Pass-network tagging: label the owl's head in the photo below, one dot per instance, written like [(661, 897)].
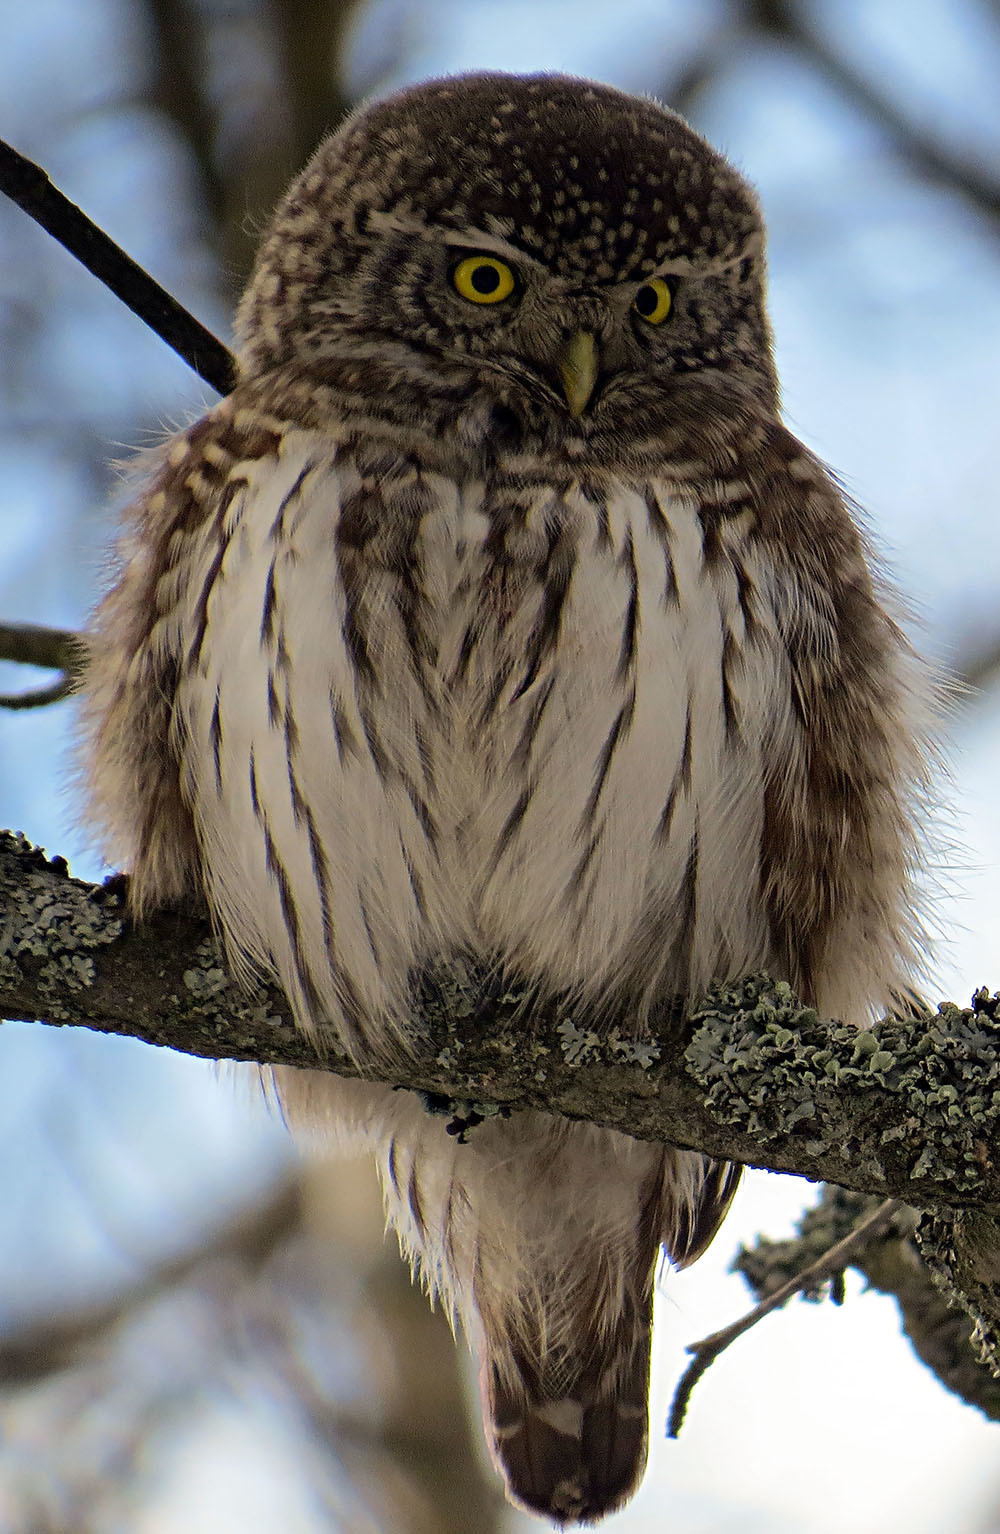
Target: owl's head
[(559, 248)]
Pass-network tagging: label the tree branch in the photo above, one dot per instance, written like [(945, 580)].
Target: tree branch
[(892, 1264), (828, 1264), (32, 644), (28, 185), (41, 1347), (182, 89), (907, 1110), (973, 180)]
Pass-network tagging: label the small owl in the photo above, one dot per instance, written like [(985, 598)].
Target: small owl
[(496, 618)]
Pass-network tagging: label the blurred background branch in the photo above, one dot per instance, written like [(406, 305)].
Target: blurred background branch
[(892, 1264), (263, 1307), (792, 23)]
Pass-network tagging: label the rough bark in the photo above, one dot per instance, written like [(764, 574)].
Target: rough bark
[(909, 1110)]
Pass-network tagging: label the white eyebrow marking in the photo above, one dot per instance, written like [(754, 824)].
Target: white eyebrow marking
[(473, 239), (478, 239), (382, 222)]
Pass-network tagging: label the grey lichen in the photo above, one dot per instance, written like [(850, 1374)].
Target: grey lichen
[(463, 999), (450, 992), (42, 923), (641, 1052), (580, 1046), (53, 928), (212, 996), (962, 1250), (208, 979), (66, 975), (768, 1065), (923, 1286), (587, 1046)]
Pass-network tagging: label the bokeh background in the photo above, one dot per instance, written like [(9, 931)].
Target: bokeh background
[(201, 1329)]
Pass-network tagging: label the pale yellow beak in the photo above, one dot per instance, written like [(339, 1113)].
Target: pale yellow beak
[(578, 371)]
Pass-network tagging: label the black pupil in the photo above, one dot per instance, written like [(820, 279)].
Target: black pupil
[(647, 299), (485, 279)]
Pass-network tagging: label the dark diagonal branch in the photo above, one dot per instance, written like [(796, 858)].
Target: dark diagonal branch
[(28, 185)]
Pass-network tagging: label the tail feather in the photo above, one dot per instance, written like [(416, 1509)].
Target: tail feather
[(544, 1237), (566, 1366), (577, 1456), (566, 1407)]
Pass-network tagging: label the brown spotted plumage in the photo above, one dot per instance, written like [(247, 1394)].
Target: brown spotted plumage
[(495, 619)]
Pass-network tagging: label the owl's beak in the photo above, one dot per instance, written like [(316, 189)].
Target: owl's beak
[(578, 365)]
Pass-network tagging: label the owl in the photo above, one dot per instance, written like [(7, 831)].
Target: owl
[(496, 618)]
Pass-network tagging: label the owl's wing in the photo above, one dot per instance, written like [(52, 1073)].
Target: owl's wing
[(128, 756), (691, 1223), (839, 849)]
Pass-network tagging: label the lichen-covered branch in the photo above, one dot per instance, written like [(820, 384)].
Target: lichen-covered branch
[(893, 1263), (909, 1110)]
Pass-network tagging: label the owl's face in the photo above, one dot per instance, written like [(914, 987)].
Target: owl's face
[(557, 248)]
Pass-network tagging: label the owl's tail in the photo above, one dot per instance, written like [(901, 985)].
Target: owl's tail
[(543, 1236), (573, 1448), (566, 1371)]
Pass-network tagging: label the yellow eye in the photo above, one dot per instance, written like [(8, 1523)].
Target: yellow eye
[(654, 301), (483, 279)]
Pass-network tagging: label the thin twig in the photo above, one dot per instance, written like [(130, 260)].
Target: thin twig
[(40, 697), (33, 644), (28, 185), (832, 1261)]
